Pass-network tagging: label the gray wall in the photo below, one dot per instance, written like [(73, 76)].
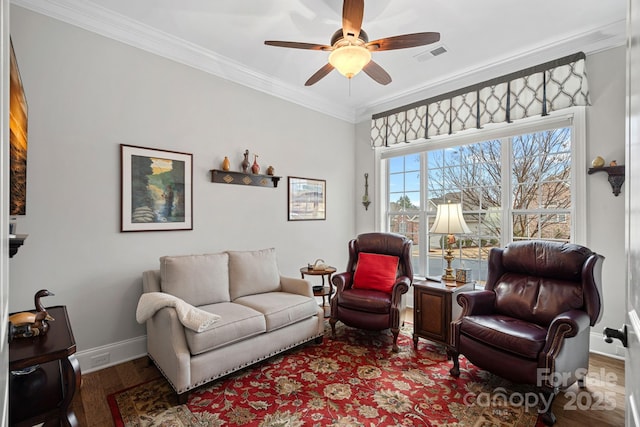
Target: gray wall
[(88, 94), (605, 212)]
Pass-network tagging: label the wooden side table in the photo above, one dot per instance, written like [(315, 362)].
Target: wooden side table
[(44, 395), (321, 291), (435, 308)]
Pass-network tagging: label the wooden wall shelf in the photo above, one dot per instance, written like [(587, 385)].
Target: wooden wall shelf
[(241, 178), (15, 243), (616, 176)]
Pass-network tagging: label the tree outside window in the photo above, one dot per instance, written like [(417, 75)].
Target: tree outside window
[(538, 200)]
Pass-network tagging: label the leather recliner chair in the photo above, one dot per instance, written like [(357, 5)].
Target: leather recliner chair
[(531, 322), (373, 309)]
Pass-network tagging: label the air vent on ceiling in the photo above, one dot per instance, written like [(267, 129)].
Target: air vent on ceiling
[(433, 52)]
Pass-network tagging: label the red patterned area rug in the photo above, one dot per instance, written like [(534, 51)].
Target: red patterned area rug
[(354, 380)]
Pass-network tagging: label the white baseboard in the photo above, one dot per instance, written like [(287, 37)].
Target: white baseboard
[(597, 345), (112, 354), (105, 356)]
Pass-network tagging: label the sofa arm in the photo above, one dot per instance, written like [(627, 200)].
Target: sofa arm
[(167, 346), (565, 356), (566, 325), (151, 281), (399, 288), (476, 302), (342, 281), (294, 285), (472, 303)]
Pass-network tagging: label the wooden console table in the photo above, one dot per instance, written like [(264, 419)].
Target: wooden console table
[(435, 307), (44, 395)]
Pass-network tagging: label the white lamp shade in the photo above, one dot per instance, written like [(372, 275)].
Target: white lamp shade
[(349, 60), (449, 220)]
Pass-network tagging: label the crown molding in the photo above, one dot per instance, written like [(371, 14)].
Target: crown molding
[(99, 20)]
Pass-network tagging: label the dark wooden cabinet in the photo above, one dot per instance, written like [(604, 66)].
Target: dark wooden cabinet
[(435, 307), (45, 394)]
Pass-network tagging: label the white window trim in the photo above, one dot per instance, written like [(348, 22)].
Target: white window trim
[(574, 116)]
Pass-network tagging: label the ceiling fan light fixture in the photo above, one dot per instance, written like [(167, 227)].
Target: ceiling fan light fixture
[(351, 49), (349, 60)]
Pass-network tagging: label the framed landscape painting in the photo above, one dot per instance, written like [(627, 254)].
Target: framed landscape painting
[(307, 199), (156, 189)]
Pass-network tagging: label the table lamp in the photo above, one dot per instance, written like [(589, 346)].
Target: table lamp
[(449, 221)]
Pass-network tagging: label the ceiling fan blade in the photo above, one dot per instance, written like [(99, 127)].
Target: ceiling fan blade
[(352, 13), (319, 74), (377, 73), (404, 41), (298, 45)]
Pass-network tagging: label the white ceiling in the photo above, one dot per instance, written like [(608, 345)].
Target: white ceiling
[(483, 39)]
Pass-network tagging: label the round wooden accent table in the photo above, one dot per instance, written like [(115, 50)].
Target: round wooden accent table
[(321, 291)]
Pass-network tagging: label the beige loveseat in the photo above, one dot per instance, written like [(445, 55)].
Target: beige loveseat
[(260, 314)]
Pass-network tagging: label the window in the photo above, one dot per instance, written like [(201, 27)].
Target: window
[(511, 187), (468, 174), (404, 197), (541, 185)]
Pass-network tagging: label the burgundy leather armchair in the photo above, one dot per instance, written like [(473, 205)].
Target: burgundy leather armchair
[(373, 309), (531, 323)]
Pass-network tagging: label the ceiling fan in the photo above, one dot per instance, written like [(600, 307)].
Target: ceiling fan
[(351, 49)]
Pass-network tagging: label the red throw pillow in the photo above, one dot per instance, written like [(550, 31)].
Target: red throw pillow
[(375, 271)]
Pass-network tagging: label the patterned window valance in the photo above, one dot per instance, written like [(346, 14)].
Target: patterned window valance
[(534, 91)]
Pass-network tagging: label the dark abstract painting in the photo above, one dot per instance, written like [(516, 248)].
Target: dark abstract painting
[(18, 141)]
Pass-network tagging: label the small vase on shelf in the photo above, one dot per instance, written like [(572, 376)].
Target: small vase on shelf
[(226, 164), (245, 162), (255, 168)]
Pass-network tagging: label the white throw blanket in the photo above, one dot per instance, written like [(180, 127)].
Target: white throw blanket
[(191, 317)]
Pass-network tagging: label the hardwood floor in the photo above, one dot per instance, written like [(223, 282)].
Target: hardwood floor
[(90, 403), (605, 392)]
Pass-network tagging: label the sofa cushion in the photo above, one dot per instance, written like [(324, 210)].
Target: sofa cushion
[(543, 258), (196, 279), (365, 299), (536, 299), (237, 322), (506, 333), (280, 308), (253, 272)]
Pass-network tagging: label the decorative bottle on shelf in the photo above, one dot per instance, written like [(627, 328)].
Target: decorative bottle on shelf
[(245, 162), (226, 165), (255, 168)]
